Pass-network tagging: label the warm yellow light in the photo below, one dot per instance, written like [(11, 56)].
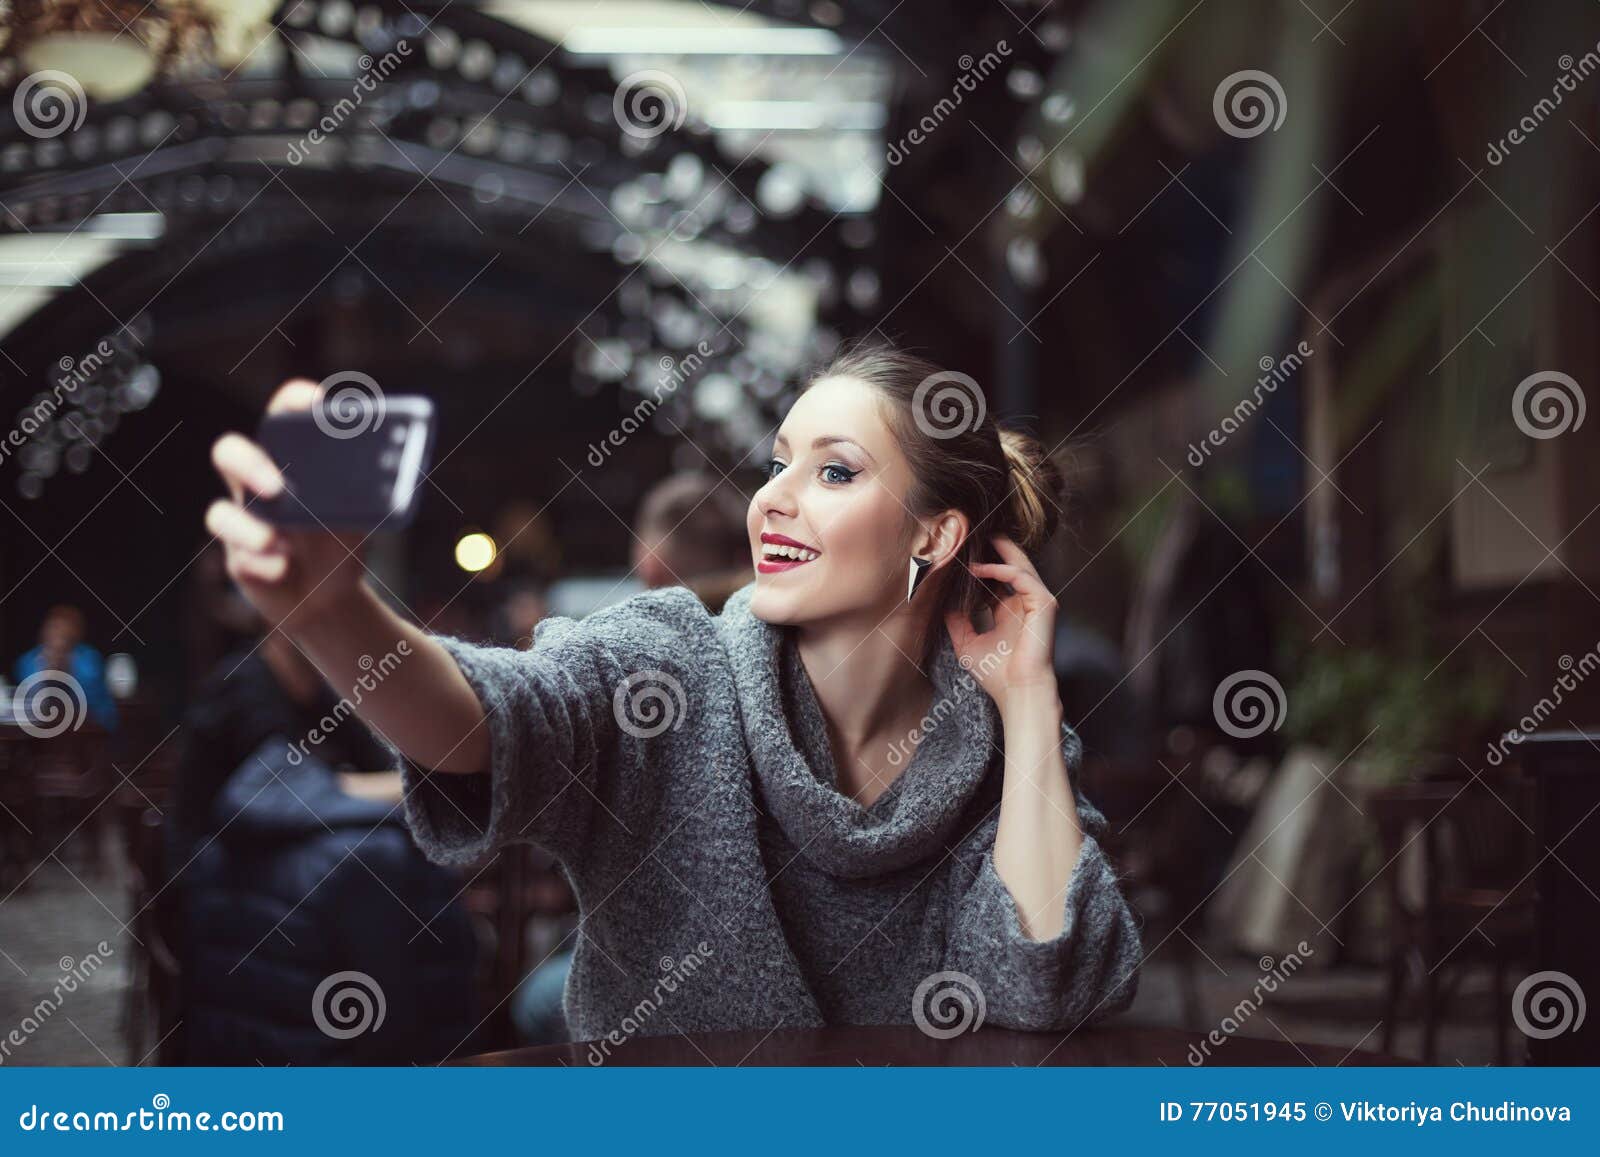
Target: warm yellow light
[(106, 66), (475, 552)]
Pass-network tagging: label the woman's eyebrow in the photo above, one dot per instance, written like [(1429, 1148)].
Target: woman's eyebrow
[(829, 440), (835, 439)]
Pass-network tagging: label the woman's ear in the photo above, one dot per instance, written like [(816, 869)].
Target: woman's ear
[(941, 537)]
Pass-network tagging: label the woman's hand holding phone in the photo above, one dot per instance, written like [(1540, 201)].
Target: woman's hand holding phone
[(309, 582), (291, 576)]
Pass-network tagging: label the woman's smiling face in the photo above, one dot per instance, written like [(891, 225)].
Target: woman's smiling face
[(830, 528)]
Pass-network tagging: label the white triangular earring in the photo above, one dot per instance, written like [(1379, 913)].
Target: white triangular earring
[(919, 569)]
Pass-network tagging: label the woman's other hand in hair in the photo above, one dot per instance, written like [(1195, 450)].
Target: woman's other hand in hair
[(1014, 658)]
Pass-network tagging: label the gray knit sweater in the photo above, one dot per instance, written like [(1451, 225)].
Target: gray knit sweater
[(678, 765)]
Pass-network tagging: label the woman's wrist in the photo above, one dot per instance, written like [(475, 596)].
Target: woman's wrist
[(1031, 704), (322, 615)]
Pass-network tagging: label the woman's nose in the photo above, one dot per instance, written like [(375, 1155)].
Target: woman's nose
[(776, 496)]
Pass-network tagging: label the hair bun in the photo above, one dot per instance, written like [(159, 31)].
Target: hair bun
[(1037, 490)]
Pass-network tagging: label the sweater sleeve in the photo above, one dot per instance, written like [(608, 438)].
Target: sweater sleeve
[(569, 723), (1086, 973)]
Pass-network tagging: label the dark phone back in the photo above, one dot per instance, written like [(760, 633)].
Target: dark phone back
[(359, 476)]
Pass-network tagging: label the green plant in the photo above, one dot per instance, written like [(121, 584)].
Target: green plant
[(1397, 709)]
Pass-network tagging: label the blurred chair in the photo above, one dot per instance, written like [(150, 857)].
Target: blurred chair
[(66, 780), (1474, 901), (16, 829), (521, 885), (1162, 835), (154, 986), (142, 801)]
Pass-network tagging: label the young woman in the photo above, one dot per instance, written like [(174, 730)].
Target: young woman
[(838, 801)]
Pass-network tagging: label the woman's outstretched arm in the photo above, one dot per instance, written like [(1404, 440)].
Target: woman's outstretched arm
[(311, 586), (422, 704)]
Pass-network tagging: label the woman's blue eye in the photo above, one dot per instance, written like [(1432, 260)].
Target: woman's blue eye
[(770, 470), (833, 472)]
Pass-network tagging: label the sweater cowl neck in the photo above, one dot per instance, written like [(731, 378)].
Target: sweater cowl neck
[(787, 736)]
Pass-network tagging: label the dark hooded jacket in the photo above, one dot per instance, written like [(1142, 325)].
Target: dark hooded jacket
[(318, 933)]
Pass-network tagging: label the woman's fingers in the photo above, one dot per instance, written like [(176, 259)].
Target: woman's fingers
[(245, 466), (266, 568), (1024, 579), (237, 528), (294, 394), (1012, 553), (996, 570), (254, 549)]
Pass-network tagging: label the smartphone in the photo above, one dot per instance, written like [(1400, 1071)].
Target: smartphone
[(360, 474)]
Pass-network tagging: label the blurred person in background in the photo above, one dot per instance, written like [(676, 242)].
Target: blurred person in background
[(269, 688), (523, 607), (61, 648), (690, 532), (218, 619), (289, 863)]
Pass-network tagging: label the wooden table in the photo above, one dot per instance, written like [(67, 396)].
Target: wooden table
[(908, 1045)]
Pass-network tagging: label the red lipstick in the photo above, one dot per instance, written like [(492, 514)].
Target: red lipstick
[(772, 564)]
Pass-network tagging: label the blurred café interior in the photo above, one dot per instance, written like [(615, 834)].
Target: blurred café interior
[(1303, 295)]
